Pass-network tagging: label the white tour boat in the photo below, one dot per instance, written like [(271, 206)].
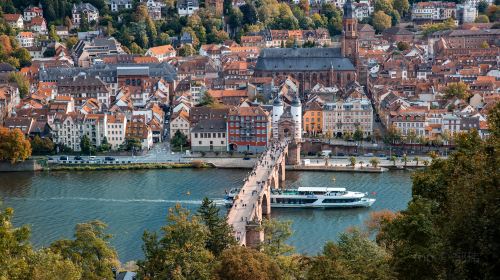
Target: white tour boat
[(312, 197)]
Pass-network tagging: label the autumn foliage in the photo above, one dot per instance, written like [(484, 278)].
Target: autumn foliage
[(14, 147)]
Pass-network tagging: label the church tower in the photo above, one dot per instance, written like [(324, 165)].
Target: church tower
[(350, 47)]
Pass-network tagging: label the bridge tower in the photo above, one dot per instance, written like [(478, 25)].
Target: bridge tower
[(287, 124)]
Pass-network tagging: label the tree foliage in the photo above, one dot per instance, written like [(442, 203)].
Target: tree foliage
[(42, 146), (381, 21), (459, 90), (85, 145), (90, 250), (14, 147), (21, 82), (180, 252), (451, 224), (220, 235), (247, 264), (179, 139)]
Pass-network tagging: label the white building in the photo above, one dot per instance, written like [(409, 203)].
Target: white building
[(31, 12), (14, 20), (409, 121), (68, 130), (435, 10), (162, 53), (466, 13), (119, 5), (116, 130), (180, 122), (26, 39), (346, 116), (87, 10), (187, 7), (209, 135), (450, 124)]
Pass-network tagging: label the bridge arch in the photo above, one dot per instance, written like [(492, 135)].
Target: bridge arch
[(266, 204)]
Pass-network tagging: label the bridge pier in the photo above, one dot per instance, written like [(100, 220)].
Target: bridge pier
[(293, 157), (254, 234)]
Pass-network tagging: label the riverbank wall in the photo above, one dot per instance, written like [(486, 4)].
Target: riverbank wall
[(129, 166), (28, 165)]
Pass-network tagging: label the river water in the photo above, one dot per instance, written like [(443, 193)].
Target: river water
[(52, 203)]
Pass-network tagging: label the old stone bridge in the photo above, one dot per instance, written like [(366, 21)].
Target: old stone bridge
[(254, 199)]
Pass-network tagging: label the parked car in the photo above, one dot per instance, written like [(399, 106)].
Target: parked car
[(50, 158), (341, 154), (78, 158), (381, 155), (109, 159), (63, 158), (92, 157), (246, 158), (368, 154)]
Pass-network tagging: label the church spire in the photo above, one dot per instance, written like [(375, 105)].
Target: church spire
[(348, 9)]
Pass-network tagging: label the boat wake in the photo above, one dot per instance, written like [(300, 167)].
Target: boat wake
[(217, 201)]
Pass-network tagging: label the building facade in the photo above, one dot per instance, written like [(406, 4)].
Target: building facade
[(248, 129), (209, 136)]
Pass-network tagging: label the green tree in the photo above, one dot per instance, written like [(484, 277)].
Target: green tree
[(244, 263), (21, 82), (136, 49), (180, 253), (105, 146), (70, 42), (186, 50), (395, 17), (402, 6), (403, 46), (384, 6), (14, 246), (49, 52), (249, 13), (41, 146), (85, 145), (451, 224), (53, 33), (416, 159), (14, 147), (206, 99), (220, 235), (358, 134), (355, 256), (393, 135), (276, 233), (381, 21), (133, 144), (352, 161), (485, 45), (374, 162), (45, 264), (482, 6), (393, 159), (19, 261), (179, 139), (459, 90), (404, 159), (151, 30), (84, 23), (23, 56), (90, 250), (482, 19)]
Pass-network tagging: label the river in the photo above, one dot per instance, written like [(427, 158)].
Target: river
[(52, 203)]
